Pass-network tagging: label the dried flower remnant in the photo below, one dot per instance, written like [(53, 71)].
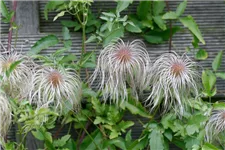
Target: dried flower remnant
[(16, 82), (174, 79), (5, 115), (215, 125), (121, 65), (56, 87)]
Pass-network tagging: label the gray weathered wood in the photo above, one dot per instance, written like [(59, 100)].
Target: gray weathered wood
[(27, 17)]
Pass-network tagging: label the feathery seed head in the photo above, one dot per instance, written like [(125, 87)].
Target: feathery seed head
[(5, 115), (55, 87), (174, 80), (119, 65), (15, 84), (215, 125)]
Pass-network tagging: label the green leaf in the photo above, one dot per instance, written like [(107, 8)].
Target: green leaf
[(191, 129), (168, 135), (121, 5), (208, 146), (118, 142), (113, 35), (87, 92), (170, 15), (143, 9), (136, 109), (190, 23), (87, 56), (59, 15), (65, 33), (181, 8), (51, 5), (70, 144), (208, 80), (62, 141), (158, 7), (68, 58), (133, 29), (219, 106), (93, 142), (12, 67), (156, 37), (128, 137), (92, 38), (201, 54), (160, 22), (153, 39), (38, 134), (217, 61), (43, 43), (190, 142), (4, 10), (69, 23), (123, 125), (221, 75), (156, 140)]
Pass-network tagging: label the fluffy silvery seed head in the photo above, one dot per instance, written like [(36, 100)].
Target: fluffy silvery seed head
[(215, 125), (121, 65), (56, 88), (15, 84), (5, 115), (174, 80)]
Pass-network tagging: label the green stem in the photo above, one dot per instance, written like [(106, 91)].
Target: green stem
[(83, 51)]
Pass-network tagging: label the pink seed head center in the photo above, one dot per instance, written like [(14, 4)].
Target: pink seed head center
[(177, 69), (123, 55), (55, 78)]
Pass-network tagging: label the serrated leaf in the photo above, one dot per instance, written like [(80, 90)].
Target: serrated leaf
[(62, 141), (217, 61), (121, 5), (125, 124), (170, 15), (221, 75), (65, 33), (191, 129), (143, 9), (180, 9), (190, 23), (133, 29), (201, 54), (160, 22), (43, 43)]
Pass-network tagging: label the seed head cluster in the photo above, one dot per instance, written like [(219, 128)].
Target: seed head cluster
[(174, 80), (120, 66), (215, 125)]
